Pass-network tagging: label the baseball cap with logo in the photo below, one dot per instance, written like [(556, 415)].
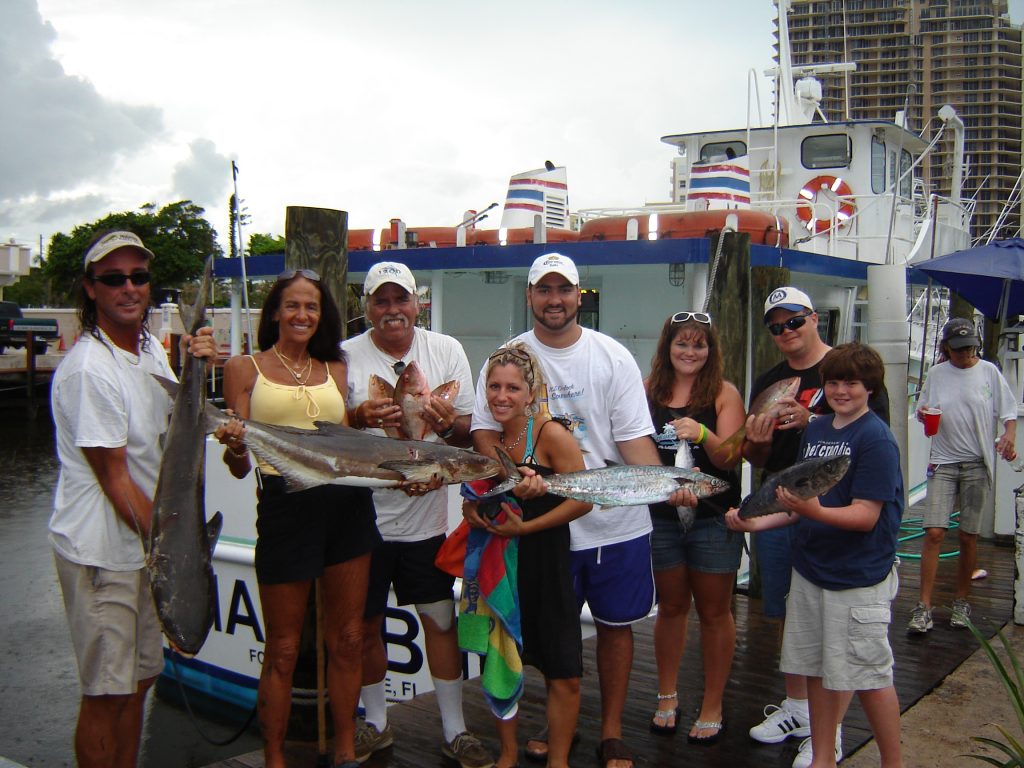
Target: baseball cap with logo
[(554, 262), (959, 333), (110, 242), (388, 272), (789, 298)]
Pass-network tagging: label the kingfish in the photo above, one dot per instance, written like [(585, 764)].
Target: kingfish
[(339, 455), (618, 485), (411, 393), (806, 479), (766, 402), (181, 541)]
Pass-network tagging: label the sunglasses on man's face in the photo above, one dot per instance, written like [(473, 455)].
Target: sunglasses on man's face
[(700, 317), (118, 279), (795, 322), (309, 274)]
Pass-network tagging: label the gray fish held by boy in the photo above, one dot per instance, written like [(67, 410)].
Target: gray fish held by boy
[(807, 478), (336, 454), (181, 541), (618, 485)]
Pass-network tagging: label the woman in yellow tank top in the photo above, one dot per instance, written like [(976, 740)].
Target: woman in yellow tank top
[(328, 532)]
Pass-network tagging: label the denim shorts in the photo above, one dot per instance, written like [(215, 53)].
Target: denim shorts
[(774, 552), (708, 547), (841, 636), (967, 481)]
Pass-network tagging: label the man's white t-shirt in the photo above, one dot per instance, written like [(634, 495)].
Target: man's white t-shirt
[(597, 385), (104, 397), (975, 402), (442, 359)]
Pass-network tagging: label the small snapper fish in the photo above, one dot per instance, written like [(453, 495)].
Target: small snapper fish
[(411, 394), (766, 402), (618, 485), (806, 479)]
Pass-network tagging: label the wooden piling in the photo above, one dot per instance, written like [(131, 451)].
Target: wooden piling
[(317, 239)]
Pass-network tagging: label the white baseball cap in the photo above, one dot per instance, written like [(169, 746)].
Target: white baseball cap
[(111, 242), (388, 272), (554, 262), (789, 298)]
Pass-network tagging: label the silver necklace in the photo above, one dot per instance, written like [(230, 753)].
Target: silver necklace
[(518, 439)]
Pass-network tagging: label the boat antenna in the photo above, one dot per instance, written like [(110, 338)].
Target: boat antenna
[(478, 216), (241, 255), (896, 176)]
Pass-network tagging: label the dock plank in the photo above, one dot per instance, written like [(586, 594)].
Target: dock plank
[(921, 664)]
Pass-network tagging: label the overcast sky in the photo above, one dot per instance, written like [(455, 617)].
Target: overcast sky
[(387, 108)]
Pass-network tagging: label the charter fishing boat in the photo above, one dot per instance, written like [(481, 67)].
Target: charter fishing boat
[(841, 206)]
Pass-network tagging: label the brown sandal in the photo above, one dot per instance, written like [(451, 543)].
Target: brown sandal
[(614, 749)]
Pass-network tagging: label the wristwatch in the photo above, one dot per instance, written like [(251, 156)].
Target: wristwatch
[(448, 432)]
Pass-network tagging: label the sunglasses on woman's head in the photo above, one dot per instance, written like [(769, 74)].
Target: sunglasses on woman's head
[(118, 279), (700, 317), (518, 354), (795, 322), (309, 274)]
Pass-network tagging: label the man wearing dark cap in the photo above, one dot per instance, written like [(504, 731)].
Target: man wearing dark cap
[(110, 416), (974, 398)]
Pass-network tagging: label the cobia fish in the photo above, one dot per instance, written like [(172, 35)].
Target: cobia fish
[(806, 479), (766, 402), (411, 393), (618, 485), (181, 541), (339, 455)]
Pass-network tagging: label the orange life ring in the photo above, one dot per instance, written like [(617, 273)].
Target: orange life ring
[(805, 207)]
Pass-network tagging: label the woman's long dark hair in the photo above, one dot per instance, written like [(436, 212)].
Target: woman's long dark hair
[(87, 316), (325, 345), (709, 379)]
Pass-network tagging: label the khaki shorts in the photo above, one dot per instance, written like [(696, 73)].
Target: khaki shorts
[(951, 485), (113, 625), (841, 636)]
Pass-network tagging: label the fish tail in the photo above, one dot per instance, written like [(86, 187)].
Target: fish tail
[(192, 318), (511, 470), (729, 449)]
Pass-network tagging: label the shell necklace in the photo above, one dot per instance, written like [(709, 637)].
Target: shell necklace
[(517, 441), (302, 373)]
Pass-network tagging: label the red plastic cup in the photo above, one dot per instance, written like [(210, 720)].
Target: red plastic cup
[(931, 420)]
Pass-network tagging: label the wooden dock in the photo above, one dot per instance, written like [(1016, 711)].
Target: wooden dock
[(921, 664)]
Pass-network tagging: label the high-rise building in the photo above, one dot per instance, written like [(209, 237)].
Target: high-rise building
[(965, 53)]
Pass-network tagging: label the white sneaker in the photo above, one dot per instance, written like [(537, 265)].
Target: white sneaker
[(779, 724), (805, 756)]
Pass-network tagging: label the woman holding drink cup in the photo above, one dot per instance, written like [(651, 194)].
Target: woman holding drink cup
[(962, 402)]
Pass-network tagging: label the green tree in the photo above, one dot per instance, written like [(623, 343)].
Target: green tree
[(31, 290), (178, 235), (260, 244)]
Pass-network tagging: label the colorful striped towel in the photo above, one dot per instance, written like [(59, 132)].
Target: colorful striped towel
[(489, 611)]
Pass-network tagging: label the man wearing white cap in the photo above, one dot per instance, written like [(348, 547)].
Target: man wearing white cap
[(110, 416), (595, 382), (413, 527), (792, 322)]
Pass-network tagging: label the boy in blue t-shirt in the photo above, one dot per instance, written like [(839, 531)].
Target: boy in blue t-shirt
[(844, 554)]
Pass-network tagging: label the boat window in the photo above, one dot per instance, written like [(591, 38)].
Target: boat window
[(590, 308), (907, 183), (830, 151), (722, 150), (877, 165)]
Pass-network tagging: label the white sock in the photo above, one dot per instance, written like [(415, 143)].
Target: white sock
[(449, 701), (799, 708), (376, 705)]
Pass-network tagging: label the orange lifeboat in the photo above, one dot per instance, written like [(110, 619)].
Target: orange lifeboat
[(763, 228), (612, 228), (421, 237), (360, 239)]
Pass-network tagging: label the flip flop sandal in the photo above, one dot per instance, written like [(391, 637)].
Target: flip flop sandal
[(614, 749), (703, 725), (539, 756), (665, 714)]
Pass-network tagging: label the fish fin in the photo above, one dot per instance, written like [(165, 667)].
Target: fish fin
[(412, 470), (511, 470), (213, 529), (729, 449), (192, 318), (170, 386), (610, 463), (330, 428)]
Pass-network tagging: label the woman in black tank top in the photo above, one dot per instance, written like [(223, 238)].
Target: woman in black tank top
[(549, 615), (693, 553)]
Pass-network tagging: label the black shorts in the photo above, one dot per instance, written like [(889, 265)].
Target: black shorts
[(300, 534), (409, 566)]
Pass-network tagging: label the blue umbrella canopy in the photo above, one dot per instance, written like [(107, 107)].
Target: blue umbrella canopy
[(983, 276)]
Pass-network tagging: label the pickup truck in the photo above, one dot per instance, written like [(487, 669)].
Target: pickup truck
[(14, 329)]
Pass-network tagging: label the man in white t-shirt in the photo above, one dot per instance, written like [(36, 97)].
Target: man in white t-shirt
[(110, 416), (594, 382), (413, 526)]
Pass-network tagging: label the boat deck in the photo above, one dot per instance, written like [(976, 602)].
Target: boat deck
[(921, 664)]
